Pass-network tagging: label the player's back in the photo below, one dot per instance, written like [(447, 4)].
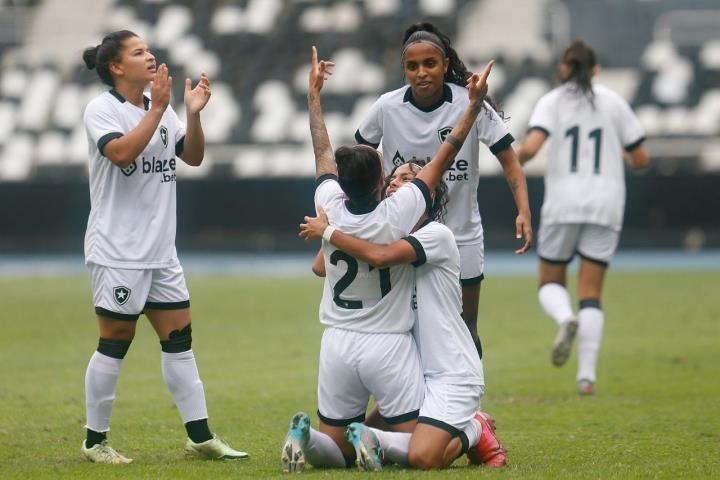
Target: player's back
[(585, 179), (357, 296)]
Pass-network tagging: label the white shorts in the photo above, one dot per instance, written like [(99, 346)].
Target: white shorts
[(558, 242), (123, 294), (355, 365), (449, 406), (472, 263)]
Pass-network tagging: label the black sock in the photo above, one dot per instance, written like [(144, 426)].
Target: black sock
[(93, 438), (198, 430), (478, 345)]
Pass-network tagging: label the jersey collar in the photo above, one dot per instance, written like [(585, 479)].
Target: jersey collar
[(121, 99), (446, 97), (360, 209)]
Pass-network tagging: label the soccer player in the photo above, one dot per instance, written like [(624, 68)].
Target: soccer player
[(411, 123), (367, 348), (130, 239), (449, 423), (590, 129)]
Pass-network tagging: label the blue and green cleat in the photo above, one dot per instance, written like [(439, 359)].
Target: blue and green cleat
[(368, 452), (292, 457)]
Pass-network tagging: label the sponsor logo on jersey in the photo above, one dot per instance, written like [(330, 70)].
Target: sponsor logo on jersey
[(130, 169), (398, 159), (165, 167), (443, 133), (121, 294), (164, 135)]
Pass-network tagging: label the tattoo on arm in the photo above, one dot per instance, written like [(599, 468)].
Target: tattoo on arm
[(324, 159)]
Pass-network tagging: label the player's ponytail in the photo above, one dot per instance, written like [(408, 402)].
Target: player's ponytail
[(100, 56), (580, 60), (457, 72)]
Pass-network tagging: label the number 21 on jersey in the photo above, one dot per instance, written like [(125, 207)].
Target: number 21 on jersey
[(350, 274)]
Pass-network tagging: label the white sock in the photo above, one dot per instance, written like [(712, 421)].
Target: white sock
[(555, 300), (396, 446), (589, 336), (182, 378), (321, 451), (100, 381), (472, 432)]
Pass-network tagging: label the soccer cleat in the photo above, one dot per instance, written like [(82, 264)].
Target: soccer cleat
[(292, 457), (563, 342), (213, 449), (368, 452), (103, 453), (488, 451), (585, 387)]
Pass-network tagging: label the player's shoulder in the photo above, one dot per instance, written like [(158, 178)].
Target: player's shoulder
[(102, 102), (555, 94), (436, 230), (394, 97), (608, 95)]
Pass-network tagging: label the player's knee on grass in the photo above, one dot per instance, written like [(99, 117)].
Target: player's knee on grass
[(425, 458), (178, 341)]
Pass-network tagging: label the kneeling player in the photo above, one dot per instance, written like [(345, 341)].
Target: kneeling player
[(449, 423)]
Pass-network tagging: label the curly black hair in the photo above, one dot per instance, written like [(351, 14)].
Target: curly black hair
[(439, 207)]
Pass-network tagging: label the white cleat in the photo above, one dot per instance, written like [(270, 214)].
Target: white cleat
[(563, 342), (213, 449), (104, 453), (292, 457)]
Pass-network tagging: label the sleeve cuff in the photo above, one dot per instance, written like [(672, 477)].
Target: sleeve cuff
[(539, 129), (322, 178), (420, 257), (502, 144), (105, 139), (179, 146), (425, 193), (359, 139), (635, 144)]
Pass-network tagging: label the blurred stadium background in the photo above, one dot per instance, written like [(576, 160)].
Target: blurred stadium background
[(256, 182)]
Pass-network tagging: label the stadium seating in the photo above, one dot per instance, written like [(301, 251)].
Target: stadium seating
[(257, 55)]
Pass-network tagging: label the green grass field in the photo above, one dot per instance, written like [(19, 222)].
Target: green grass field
[(657, 412)]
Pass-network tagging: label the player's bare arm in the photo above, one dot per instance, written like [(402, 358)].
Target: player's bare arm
[(195, 100), (518, 186), (379, 256), (530, 146), (324, 158), (637, 158), (477, 89), (124, 150)]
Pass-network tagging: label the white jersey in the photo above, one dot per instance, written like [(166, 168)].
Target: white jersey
[(132, 210), (585, 175), (447, 351), (357, 296), (409, 132)]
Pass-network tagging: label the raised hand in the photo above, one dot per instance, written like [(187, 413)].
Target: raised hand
[(319, 72), (314, 226), (160, 88), (196, 98), (477, 84)]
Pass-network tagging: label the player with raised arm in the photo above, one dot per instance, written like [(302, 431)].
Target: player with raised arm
[(411, 123), (130, 239), (590, 129), (449, 423), (367, 348)]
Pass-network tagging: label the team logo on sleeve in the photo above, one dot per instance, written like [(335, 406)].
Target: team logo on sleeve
[(443, 133), (121, 295), (130, 169), (164, 135), (398, 159)]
